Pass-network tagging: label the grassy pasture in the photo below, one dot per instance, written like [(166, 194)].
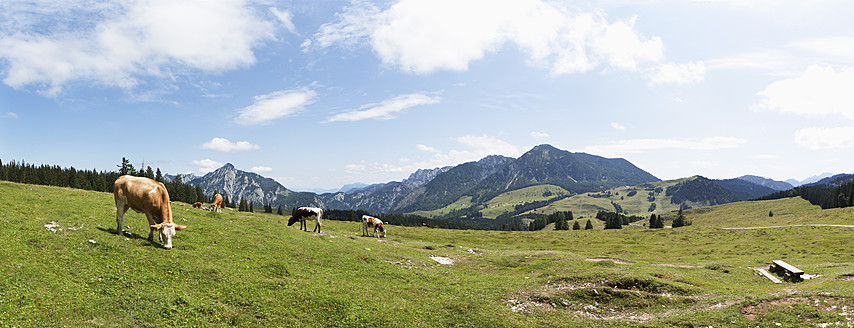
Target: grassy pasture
[(250, 270)]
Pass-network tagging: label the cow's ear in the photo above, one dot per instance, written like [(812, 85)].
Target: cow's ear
[(180, 227), (156, 226)]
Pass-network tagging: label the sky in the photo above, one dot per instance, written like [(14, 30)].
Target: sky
[(320, 94)]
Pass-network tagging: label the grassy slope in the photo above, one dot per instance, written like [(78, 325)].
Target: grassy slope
[(252, 270), (502, 203), (583, 205)]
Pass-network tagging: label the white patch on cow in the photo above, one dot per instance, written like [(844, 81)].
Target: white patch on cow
[(153, 190)]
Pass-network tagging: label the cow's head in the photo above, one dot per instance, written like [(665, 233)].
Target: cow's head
[(167, 231), (292, 220), (382, 229)]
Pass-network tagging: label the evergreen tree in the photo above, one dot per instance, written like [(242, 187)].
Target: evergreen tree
[(243, 205), (252, 207), (589, 225), (560, 223), (126, 167), (680, 220), (280, 212), (655, 221), (614, 222), (576, 226), (149, 173), (158, 176)]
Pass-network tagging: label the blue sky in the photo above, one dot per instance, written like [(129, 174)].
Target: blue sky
[(319, 94)]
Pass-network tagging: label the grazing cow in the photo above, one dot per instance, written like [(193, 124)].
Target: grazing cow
[(303, 213), (197, 205), (150, 197), (217, 203), (372, 222)]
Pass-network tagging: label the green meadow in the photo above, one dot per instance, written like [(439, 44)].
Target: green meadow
[(62, 265)]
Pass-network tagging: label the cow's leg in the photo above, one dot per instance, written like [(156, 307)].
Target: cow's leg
[(317, 226), (121, 208), (151, 230)]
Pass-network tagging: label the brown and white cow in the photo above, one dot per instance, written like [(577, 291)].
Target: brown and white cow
[(372, 222), (216, 205), (197, 205), (150, 197), (303, 213)]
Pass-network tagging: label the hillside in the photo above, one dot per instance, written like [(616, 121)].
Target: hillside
[(256, 189), (64, 266)]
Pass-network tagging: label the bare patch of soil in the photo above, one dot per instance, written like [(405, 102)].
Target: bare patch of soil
[(827, 304), (621, 261)]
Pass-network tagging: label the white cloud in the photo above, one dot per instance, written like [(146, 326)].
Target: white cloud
[(353, 168), (386, 109), (352, 27), (487, 145), (678, 73), (423, 36), (117, 44), (11, 115), (840, 47), (618, 126), (633, 146), (475, 148), (825, 138), (286, 18), (820, 90), (427, 148), (539, 135), (275, 105), (225, 145), (259, 169), (206, 165)]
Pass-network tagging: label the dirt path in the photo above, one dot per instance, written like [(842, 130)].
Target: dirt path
[(793, 225)]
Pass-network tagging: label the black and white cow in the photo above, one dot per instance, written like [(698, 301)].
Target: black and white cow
[(304, 213)]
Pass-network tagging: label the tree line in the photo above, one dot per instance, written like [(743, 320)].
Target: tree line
[(103, 181), (822, 196)]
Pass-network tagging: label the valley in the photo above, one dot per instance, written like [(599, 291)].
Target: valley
[(250, 269)]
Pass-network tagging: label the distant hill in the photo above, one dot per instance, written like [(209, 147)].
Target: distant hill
[(773, 184), (254, 188), (745, 190), (543, 180), (833, 181), (809, 180)]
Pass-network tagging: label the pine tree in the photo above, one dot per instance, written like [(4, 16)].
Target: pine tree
[(158, 176), (576, 226), (126, 167), (280, 212), (589, 225), (251, 207), (243, 205), (680, 220), (560, 223), (149, 173)]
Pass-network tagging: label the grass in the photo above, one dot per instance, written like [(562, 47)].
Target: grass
[(249, 270)]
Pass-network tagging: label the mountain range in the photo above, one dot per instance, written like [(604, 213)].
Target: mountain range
[(479, 182)]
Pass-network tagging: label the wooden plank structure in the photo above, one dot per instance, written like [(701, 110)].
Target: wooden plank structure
[(790, 272), (769, 276)]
